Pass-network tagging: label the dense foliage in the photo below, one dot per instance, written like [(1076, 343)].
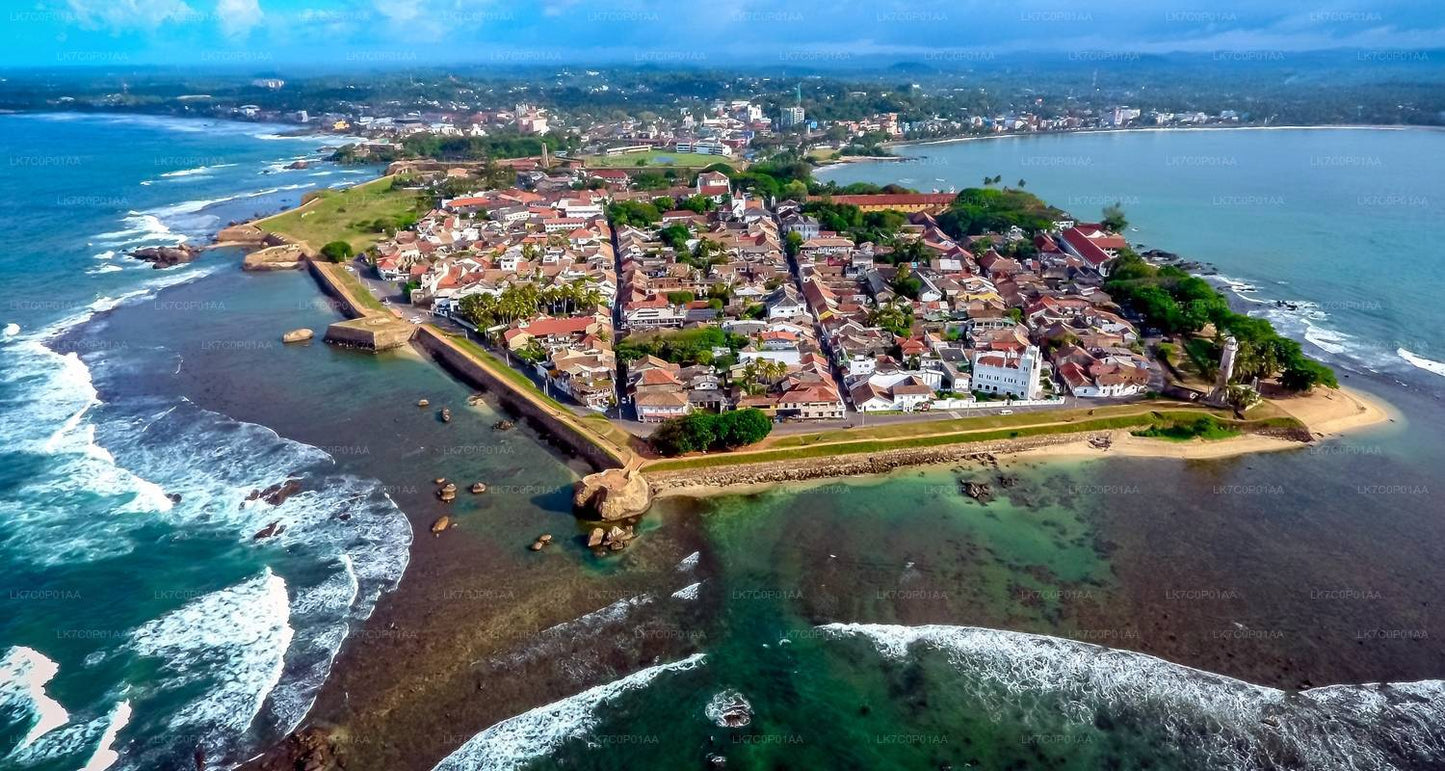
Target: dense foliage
[(337, 251), (702, 431), (979, 210), (1175, 302), (635, 213), (684, 346), (878, 227)]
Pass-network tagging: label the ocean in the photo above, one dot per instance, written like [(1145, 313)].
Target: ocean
[(1271, 611)]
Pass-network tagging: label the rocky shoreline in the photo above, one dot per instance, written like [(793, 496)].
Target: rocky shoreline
[(738, 478), (700, 481)]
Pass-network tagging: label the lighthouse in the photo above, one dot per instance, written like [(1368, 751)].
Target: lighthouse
[(1226, 371)]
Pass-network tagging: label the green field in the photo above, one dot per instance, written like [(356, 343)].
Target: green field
[(345, 215), (654, 158)]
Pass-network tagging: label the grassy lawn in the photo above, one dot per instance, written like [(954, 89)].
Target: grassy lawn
[(981, 422), (344, 215), (655, 158), (1202, 427)]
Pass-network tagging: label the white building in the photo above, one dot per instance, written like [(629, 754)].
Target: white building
[(1005, 372)]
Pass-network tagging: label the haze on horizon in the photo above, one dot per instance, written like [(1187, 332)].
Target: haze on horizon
[(59, 33)]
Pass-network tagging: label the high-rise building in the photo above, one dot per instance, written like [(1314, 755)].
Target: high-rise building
[(792, 116)]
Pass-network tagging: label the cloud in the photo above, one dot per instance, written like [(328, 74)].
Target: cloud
[(398, 10), (237, 17), (121, 14)]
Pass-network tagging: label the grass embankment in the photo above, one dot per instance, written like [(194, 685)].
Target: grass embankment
[(909, 436), (513, 376), (974, 423), (1202, 427), (354, 286), (660, 158), (346, 215)]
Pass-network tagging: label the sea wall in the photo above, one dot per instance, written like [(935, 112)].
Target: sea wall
[(527, 405), (803, 469), (348, 305)]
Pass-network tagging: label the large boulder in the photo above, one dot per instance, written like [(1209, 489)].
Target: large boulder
[(612, 494)]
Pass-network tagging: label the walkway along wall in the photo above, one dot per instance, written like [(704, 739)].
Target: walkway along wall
[(597, 451)]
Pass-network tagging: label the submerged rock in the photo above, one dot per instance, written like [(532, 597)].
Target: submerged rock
[(979, 491), (166, 256), (273, 529), (278, 493), (729, 709)]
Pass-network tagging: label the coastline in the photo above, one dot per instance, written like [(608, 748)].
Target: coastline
[(1326, 414), (1153, 129)]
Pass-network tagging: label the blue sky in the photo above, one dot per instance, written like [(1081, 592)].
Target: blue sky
[(257, 33)]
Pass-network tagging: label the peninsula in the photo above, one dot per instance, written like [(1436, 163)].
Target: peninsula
[(754, 327)]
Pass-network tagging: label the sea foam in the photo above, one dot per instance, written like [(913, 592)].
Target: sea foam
[(1227, 723), (1429, 365), (24, 673), (234, 642), (517, 741)]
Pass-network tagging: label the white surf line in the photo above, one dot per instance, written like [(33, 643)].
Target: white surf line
[(517, 741), (30, 670)]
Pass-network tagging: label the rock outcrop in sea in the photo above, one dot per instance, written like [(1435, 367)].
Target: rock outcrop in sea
[(166, 256), (611, 495)]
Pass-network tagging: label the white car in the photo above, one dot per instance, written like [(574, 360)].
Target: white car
[(1005, 412)]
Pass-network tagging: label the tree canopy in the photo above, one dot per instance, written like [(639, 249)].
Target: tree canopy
[(703, 431), (1177, 303)]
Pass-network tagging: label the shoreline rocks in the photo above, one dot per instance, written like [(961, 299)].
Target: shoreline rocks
[(614, 538), (883, 462), (979, 491), (278, 493), (273, 529), (166, 256)]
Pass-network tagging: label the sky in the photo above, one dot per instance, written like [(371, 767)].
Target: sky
[(259, 33)]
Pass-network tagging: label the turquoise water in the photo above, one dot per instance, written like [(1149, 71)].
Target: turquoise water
[(1338, 222), (1124, 613)]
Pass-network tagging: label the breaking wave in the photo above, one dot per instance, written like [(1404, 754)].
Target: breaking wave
[(517, 741), (1227, 723)]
